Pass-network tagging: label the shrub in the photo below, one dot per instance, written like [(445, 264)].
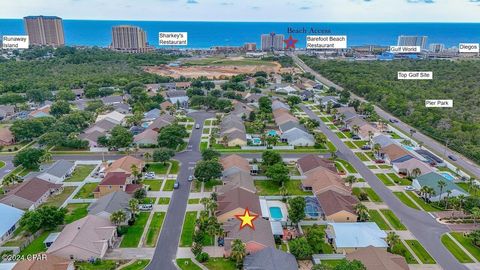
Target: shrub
[(202, 257)]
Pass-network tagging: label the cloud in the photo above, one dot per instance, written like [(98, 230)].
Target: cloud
[(192, 2), (305, 8), (421, 1), (226, 4)]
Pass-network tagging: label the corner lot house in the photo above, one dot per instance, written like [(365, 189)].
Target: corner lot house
[(10, 218), (29, 194), (111, 203), (378, 259), (85, 239), (115, 181), (125, 164), (52, 262), (270, 258), (348, 237), (58, 171), (431, 180)]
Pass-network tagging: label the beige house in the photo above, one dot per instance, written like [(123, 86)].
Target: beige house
[(125, 164), (48, 262), (84, 239), (378, 259), (322, 179), (337, 207), (234, 202)]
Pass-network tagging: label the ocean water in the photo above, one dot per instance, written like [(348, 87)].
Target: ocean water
[(208, 34)]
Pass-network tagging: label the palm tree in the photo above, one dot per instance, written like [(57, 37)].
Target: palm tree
[(461, 200), (133, 207), (238, 252), (355, 129), (441, 185), (283, 190), (225, 140), (446, 198), (11, 179), (350, 180), (370, 135), (320, 138), (135, 172), (471, 181), (47, 157), (147, 156), (392, 240), (475, 214), (362, 212), (416, 172), (376, 148), (333, 155), (118, 217), (474, 236)]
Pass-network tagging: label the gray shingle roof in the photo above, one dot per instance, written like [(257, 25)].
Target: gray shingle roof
[(60, 168), (110, 203), (270, 259)]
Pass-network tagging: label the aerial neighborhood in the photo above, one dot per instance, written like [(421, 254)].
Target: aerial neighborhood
[(216, 160)]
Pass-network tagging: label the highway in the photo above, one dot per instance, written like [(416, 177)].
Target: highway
[(463, 162)]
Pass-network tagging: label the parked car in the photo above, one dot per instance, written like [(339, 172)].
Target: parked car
[(221, 241), (190, 178), (150, 175), (345, 129), (355, 137), (393, 120), (452, 157), (409, 188), (197, 126), (145, 207), (176, 185), (366, 147), (379, 161)]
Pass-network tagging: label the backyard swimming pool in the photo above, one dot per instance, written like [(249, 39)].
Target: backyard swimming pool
[(275, 213), (409, 148), (312, 209), (272, 133), (256, 141), (447, 176)]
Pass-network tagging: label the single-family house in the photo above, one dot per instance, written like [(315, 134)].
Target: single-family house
[(286, 89), (29, 194), (409, 166), (270, 258), (298, 137), (234, 202), (394, 153), (182, 85), (10, 221), (151, 115), (252, 98), (378, 259), (277, 104), (102, 126), (114, 117), (306, 95), (164, 106), (125, 164), (254, 239), (6, 137), (58, 171), (236, 138), (382, 140), (110, 203), (85, 239), (365, 129), (233, 164), (6, 111), (241, 110), (311, 161), (162, 121), (240, 179), (337, 207), (233, 130), (178, 97), (350, 236), (122, 108), (431, 180), (347, 112), (114, 181), (325, 100), (92, 137), (43, 111), (321, 179), (47, 262), (112, 99), (281, 117), (146, 138)]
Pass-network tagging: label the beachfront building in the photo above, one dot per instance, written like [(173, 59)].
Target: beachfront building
[(44, 30)]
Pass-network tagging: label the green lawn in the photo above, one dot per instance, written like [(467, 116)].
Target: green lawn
[(341, 135), (347, 166), (193, 201), (86, 191), (59, 199), (326, 247), (155, 185), (137, 265), (209, 185), (331, 263), (100, 265), (168, 185), (362, 156), (268, 187), (467, 188), (350, 145), (157, 168), (148, 200), (2, 164), (188, 228), (187, 264), (37, 245), (220, 264), (405, 199), (175, 167), (372, 167), (399, 180), (203, 146), (372, 195), (400, 249), (455, 250), (76, 211), (377, 218), (163, 200), (80, 173), (359, 144), (420, 251), (426, 206), (134, 232), (384, 178), (154, 229), (383, 166), (467, 244), (393, 220)]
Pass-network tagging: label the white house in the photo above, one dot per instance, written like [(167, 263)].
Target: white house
[(10, 218)]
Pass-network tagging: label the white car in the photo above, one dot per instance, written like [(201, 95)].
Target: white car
[(409, 188), (145, 207)]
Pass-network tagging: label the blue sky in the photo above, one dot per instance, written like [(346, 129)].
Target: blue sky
[(251, 10)]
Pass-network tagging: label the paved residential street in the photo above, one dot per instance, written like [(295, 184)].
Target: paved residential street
[(167, 243), (428, 142), (423, 226)]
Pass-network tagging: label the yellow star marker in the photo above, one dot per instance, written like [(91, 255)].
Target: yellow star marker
[(247, 219)]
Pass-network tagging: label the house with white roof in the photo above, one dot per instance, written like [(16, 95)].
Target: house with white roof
[(114, 117), (10, 221), (58, 171), (286, 90), (350, 236)]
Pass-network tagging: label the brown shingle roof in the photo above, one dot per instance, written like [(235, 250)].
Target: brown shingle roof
[(394, 151), (240, 179), (31, 190), (124, 164), (6, 136), (378, 259), (310, 162), (51, 262), (333, 202), (238, 198), (114, 179), (262, 234), (321, 179), (235, 161)]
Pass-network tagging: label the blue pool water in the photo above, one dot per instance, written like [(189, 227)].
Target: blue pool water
[(312, 208), (256, 141), (145, 124), (409, 148), (447, 176), (276, 213), (272, 133)]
